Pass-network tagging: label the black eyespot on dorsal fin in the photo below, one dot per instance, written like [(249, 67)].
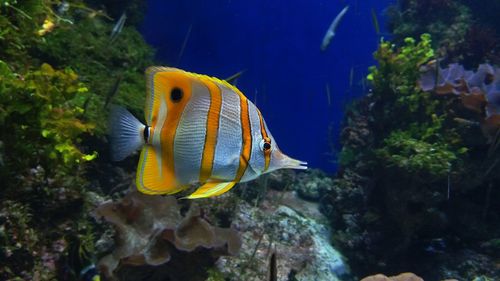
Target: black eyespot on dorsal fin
[(176, 94)]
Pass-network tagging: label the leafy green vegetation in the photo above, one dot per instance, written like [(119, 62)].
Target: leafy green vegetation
[(41, 118), (416, 156), (59, 69), (411, 123), (395, 81)]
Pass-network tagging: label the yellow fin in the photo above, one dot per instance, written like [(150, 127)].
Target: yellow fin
[(211, 189), (153, 177)]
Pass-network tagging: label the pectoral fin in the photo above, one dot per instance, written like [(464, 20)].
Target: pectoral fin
[(211, 189)]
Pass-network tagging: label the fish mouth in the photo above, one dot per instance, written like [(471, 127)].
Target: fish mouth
[(290, 163)]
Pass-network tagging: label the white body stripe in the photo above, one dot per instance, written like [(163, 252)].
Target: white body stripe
[(156, 142), (257, 161), (229, 139), (190, 135)]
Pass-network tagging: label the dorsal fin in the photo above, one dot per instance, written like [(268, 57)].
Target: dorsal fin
[(153, 70)]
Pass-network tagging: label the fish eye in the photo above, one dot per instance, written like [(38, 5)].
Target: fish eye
[(265, 145), (176, 94)]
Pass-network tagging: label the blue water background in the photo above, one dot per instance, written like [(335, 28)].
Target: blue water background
[(277, 43)]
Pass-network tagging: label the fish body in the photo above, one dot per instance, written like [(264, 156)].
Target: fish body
[(376, 26), (328, 95), (330, 33), (117, 29), (199, 129)]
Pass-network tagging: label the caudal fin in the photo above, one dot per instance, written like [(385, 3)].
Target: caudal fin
[(126, 132)]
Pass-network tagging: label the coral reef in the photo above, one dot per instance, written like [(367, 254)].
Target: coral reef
[(151, 229), (463, 31), (57, 72), (291, 228), (414, 181), (478, 91), (401, 277), (312, 184)]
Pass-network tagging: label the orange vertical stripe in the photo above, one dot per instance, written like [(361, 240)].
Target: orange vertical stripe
[(166, 82), (267, 153), (212, 130), (246, 148)]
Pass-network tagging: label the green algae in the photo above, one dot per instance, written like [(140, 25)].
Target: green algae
[(415, 136), (56, 72)]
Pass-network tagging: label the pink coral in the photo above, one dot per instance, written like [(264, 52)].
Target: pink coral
[(478, 91)]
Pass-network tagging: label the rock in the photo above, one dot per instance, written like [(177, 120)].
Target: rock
[(297, 237), (313, 184), (279, 180)]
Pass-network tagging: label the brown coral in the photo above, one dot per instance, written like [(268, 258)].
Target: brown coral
[(150, 228), (407, 276)]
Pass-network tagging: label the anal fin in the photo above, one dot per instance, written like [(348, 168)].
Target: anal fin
[(211, 189), (153, 176)]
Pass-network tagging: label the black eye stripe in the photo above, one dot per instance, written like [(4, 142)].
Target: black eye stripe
[(267, 146), (176, 94), (146, 134)]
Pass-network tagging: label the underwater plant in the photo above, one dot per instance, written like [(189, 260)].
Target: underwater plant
[(464, 31), (56, 60), (42, 122), (411, 161), (415, 156), (445, 20), (113, 69)]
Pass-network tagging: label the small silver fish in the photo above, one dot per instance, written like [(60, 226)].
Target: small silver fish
[(331, 30), (118, 27)]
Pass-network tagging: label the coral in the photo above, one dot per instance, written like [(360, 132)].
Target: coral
[(478, 91), (272, 227), (481, 44), (416, 174), (256, 190), (446, 21), (312, 184), (401, 277), (150, 229), (463, 31)]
